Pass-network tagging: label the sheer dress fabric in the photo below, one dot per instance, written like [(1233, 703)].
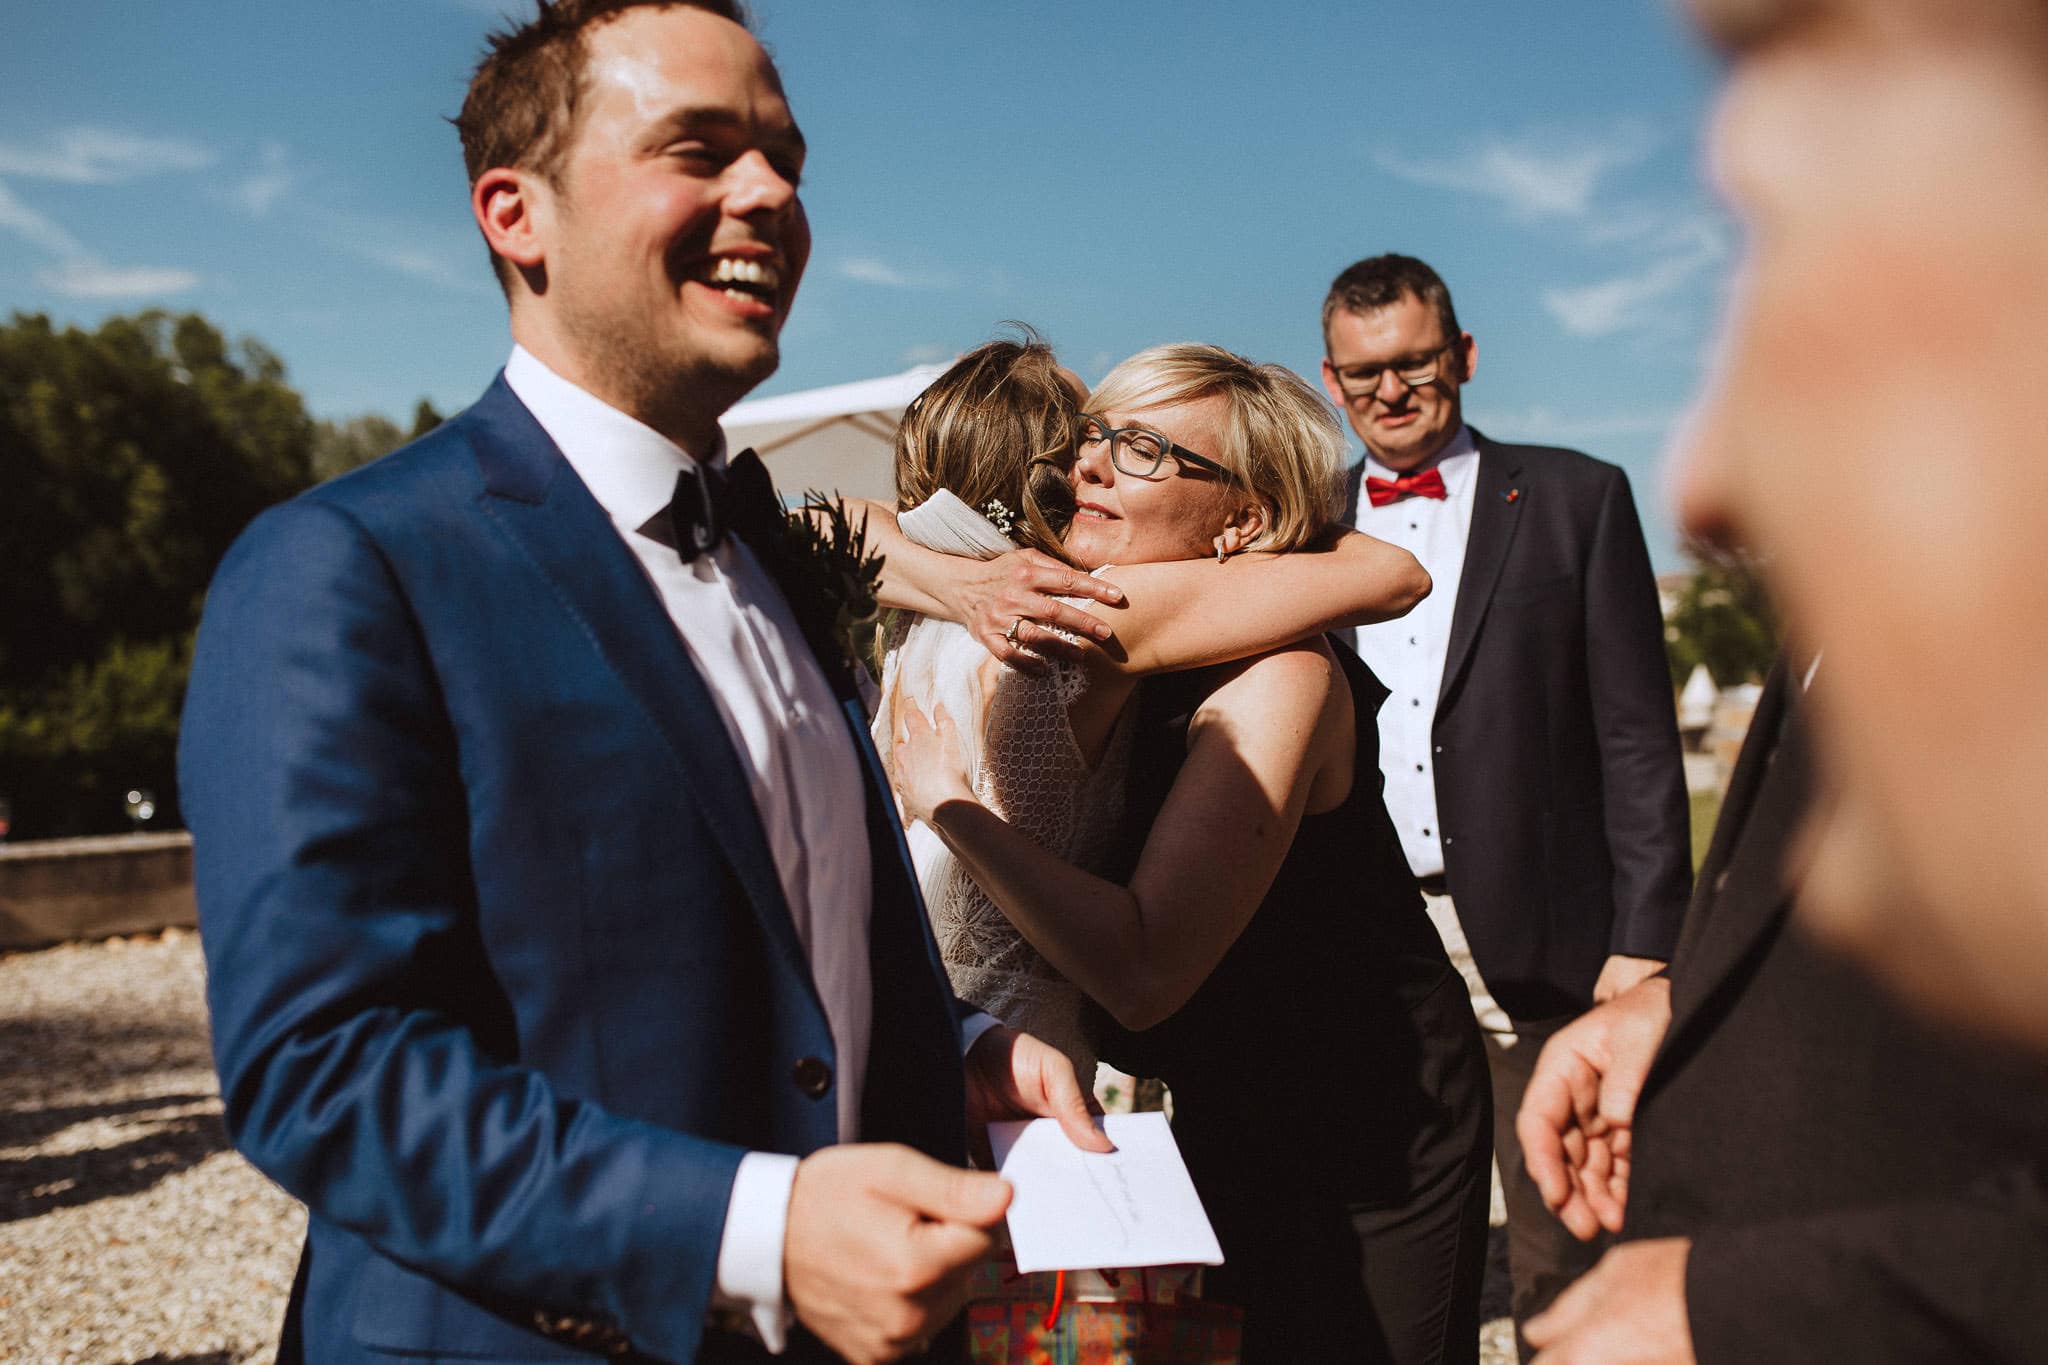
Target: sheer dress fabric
[(1026, 765)]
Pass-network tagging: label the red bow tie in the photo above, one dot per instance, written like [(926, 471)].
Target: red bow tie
[(1428, 484)]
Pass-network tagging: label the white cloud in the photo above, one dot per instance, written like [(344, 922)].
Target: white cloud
[(78, 272), (257, 192), (85, 278), (439, 268), (1542, 424), (1630, 302), (428, 255), (1536, 175), (869, 270), (25, 222), (100, 156), (874, 270)]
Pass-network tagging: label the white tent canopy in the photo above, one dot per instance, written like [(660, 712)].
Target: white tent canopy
[(838, 439)]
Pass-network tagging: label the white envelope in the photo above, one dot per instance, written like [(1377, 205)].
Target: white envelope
[(1077, 1210)]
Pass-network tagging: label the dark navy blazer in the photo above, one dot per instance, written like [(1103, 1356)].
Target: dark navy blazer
[(502, 978)]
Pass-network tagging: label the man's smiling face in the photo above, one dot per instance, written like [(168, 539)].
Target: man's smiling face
[(673, 236)]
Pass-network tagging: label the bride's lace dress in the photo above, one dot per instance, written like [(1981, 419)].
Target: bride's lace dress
[(1026, 766)]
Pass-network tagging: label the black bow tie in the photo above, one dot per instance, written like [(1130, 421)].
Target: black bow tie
[(710, 504)]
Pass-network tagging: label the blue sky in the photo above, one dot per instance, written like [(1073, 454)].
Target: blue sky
[(1116, 173)]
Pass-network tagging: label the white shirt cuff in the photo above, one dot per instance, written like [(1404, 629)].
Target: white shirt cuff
[(750, 1249), (972, 1027)]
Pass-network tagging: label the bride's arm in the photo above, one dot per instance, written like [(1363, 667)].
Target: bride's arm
[(986, 595), (1194, 612), (1142, 950)]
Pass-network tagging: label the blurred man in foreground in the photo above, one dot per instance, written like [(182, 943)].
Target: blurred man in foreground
[(1817, 1176), (1875, 433)]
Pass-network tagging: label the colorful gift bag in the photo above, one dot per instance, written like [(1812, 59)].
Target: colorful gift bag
[(1148, 1316)]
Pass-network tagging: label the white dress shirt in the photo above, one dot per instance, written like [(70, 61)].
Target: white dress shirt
[(1408, 654), (793, 740)]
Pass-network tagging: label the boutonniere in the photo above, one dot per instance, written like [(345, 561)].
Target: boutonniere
[(836, 578)]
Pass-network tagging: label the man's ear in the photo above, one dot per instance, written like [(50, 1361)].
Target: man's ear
[(1331, 387), (515, 211), (1468, 355)]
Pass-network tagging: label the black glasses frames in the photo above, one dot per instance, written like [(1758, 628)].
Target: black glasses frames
[(1141, 451)]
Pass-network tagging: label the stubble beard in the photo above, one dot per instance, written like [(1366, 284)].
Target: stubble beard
[(678, 385)]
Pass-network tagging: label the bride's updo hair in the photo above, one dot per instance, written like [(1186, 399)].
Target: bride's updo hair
[(999, 426), (1280, 441)]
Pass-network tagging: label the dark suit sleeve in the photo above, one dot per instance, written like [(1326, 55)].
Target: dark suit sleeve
[(1958, 1278), (1642, 773), (361, 1036)]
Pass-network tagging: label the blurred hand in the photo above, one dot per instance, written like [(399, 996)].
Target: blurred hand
[(879, 1242), (1620, 972), (1012, 1075), (925, 762), (1627, 1310), (987, 596), (1577, 1116)]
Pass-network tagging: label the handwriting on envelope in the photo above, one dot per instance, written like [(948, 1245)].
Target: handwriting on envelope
[(1077, 1210)]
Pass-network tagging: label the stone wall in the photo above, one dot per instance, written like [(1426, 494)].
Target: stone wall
[(55, 890)]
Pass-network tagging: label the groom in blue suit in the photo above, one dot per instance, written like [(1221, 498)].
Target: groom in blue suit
[(563, 955)]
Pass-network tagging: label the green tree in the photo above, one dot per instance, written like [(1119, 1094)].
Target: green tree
[(1723, 619), (341, 446), (425, 417), (133, 455)]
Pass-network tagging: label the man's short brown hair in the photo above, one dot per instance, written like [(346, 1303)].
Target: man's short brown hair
[(1380, 282), (520, 111)]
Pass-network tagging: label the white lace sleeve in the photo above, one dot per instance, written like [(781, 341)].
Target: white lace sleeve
[(1027, 766)]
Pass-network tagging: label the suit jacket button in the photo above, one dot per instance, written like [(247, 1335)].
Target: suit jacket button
[(812, 1076)]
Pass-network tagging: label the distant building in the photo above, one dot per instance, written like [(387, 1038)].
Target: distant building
[(1670, 587)]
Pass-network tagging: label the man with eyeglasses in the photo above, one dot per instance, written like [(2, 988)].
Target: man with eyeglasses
[(1530, 746)]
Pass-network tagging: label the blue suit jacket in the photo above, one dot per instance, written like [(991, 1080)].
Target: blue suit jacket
[(502, 979)]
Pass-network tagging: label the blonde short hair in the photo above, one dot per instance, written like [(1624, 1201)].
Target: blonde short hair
[(1280, 441), (998, 426)]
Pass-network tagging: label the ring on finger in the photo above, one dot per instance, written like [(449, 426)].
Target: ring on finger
[(1010, 635)]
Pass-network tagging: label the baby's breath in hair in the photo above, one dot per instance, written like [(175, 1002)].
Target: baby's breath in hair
[(997, 430), (1000, 517)]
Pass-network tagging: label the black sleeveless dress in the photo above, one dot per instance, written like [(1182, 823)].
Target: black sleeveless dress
[(1328, 1080)]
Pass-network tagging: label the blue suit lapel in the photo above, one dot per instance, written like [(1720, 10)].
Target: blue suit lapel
[(1497, 503), (533, 495)]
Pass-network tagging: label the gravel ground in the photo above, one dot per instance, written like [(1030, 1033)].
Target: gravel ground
[(129, 1233)]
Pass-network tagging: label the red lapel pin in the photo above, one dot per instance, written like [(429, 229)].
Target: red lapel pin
[(1511, 495)]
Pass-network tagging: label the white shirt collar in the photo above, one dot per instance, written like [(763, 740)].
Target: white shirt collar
[(1456, 461), (628, 466)]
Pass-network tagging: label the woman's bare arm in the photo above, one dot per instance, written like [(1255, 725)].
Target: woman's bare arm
[(1142, 950), (1195, 612), (986, 595)]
